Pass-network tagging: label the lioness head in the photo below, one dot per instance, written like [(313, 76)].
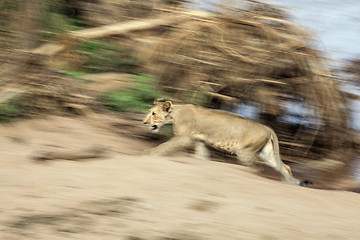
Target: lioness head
[(158, 115)]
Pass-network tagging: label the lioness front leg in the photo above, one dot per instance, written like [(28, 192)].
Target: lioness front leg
[(201, 152), (246, 158), (170, 146)]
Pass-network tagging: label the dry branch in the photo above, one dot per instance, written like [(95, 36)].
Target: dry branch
[(8, 94), (122, 28)]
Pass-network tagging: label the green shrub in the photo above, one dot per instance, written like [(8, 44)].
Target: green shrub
[(55, 21), (100, 56), (136, 99), (8, 8), (11, 110), (75, 74), (8, 112)]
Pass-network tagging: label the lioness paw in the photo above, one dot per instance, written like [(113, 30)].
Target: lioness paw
[(305, 182)]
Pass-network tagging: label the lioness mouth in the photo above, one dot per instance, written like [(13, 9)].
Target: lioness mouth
[(153, 127)]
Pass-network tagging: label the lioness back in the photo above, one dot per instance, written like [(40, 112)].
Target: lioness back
[(219, 128)]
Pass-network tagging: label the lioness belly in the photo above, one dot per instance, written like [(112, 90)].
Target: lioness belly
[(229, 145)]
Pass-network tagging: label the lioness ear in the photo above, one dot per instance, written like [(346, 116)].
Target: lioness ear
[(167, 106), (158, 100)]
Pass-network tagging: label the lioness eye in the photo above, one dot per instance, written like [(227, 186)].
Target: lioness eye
[(153, 113)]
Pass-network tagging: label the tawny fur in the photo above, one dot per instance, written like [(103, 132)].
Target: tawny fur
[(198, 126)]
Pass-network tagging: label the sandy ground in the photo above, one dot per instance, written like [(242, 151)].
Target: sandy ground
[(125, 195)]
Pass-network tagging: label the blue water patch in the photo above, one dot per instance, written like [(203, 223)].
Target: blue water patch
[(294, 113), (356, 169), (336, 24), (299, 113), (248, 110)]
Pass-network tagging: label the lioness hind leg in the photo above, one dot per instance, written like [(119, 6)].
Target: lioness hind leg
[(268, 156), (246, 158), (201, 152)]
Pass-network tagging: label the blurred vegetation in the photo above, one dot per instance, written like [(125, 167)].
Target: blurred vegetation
[(223, 59), (138, 98), (58, 17), (45, 19), (7, 7), (55, 23), (8, 23), (97, 56), (41, 22)]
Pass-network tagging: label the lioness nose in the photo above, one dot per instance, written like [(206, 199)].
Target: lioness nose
[(145, 122)]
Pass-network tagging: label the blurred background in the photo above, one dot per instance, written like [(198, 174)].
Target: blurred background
[(78, 76), (291, 65)]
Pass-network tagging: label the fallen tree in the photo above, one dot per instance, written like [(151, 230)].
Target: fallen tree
[(255, 56)]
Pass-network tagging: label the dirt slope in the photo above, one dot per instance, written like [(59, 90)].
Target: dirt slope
[(128, 196)]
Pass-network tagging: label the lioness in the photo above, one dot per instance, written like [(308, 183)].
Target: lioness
[(222, 130)]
